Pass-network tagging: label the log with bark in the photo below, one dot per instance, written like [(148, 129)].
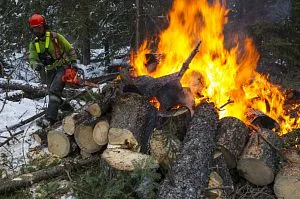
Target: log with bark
[(188, 176), (71, 121), (287, 182), (127, 160), (259, 161), (259, 119), (132, 122), (231, 139), (59, 143), (14, 96), (26, 180)]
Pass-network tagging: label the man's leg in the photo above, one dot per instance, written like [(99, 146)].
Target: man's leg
[(55, 93)]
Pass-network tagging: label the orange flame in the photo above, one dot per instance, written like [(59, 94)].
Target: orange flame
[(216, 72), (155, 102)]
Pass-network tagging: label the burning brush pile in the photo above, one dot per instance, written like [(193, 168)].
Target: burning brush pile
[(197, 107)]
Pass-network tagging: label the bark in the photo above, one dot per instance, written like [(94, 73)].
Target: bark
[(60, 143), (287, 182), (84, 138), (14, 96), (232, 137), (27, 180), (132, 122), (126, 160), (100, 132), (188, 176), (259, 161)]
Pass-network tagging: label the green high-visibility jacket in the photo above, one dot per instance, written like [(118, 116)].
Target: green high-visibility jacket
[(60, 50)]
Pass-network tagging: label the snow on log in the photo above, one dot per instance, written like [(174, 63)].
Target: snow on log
[(259, 161), (100, 132), (287, 182), (127, 160), (189, 175), (132, 122), (231, 138), (14, 96), (59, 143)]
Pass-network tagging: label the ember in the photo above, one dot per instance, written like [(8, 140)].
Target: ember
[(227, 73)]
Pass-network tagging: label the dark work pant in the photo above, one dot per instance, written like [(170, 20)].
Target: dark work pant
[(53, 79)]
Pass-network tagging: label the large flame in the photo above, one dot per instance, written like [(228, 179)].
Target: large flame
[(222, 75)]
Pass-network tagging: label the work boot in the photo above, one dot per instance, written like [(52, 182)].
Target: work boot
[(44, 122)]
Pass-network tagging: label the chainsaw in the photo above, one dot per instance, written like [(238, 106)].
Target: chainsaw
[(75, 77)]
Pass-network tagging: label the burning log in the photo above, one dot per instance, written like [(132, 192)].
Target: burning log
[(132, 122), (232, 137), (100, 132), (60, 143), (259, 119), (260, 159), (287, 182), (127, 160), (84, 138), (188, 176)]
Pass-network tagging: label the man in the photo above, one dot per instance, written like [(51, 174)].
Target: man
[(50, 54)]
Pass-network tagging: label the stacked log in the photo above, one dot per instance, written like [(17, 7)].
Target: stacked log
[(259, 161), (188, 176)]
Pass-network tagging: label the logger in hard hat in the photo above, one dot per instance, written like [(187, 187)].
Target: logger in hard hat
[(50, 54)]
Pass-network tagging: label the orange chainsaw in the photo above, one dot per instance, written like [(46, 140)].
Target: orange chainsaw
[(75, 77)]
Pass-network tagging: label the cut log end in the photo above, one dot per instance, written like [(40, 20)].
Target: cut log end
[(126, 160), (84, 138), (287, 182), (69, 124), (252, 170), (123, 137), (94, 110), (100, 132), (58, 143)]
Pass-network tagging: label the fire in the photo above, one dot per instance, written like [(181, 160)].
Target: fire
[(218, 73)]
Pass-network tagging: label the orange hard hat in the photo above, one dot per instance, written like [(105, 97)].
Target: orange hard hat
[(36, 20)]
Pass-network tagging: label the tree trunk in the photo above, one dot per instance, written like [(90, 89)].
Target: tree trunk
[(287, 182), (60, 143), (188, 176), (232, 138), (259, 161), (132, 123)]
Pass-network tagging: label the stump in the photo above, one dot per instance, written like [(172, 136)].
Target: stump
[(232, 137), (287, 182), (100, 132), (259, 161), (189, 174), (126, 160), (132, 122), (84, 138), (60, 143)]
